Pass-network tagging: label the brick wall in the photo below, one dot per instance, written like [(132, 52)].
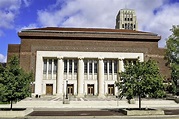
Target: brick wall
[(89, 42)]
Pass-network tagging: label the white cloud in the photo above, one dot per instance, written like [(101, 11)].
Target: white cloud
[(9, 10), (30, 26), (27, 2), (102, 13), (163, 20), (3, 58)]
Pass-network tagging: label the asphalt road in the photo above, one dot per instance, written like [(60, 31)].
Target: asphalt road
[(101, 112), (91, 114), (98, 117)]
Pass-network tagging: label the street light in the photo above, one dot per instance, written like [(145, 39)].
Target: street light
[(66, 88), (139, 79)]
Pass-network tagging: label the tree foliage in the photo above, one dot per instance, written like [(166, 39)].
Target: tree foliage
[(172, 53), (141, 78), (14, 81)]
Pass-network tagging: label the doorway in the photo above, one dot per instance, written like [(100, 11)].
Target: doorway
[(90, 89), (70, 89), (110, 89), (49, 89)]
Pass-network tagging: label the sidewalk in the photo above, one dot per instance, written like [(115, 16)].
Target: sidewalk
[(55, 102)]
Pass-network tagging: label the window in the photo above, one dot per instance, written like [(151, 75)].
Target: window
[(115, 66), (105, 66), (122, 25), (75, 66), (65, 66), (55, 67), (85, 66), (125, 25), (70, 66), (128, 26), (50, 66), (130, 19), (130, 61), (110, 66), (90, 66), (95, 66), (45, 66)]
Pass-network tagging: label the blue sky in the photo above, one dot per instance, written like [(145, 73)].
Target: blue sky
[(155, 16)]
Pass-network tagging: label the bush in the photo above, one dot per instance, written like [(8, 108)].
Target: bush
[(177, 100)]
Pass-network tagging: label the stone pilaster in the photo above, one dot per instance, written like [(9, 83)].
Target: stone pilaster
[(101, 77), (80, 77), (120, 66), (60, 71)]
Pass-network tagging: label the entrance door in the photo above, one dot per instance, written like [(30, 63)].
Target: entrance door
[(110, 89), (90, 89), (49, 89), (70, 89)]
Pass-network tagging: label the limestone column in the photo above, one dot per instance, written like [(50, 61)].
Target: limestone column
[(80, 77), (120, 66), (101, 77), (60, 70)]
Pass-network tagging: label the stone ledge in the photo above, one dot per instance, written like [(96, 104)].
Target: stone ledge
[(15, 113), (133, 112)]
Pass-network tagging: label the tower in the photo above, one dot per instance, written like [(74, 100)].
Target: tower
[(126, 19)]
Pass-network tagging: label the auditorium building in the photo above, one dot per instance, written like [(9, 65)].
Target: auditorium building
[(82, 61)]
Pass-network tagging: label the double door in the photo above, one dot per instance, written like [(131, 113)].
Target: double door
[(70, 88), (110, 89), (90, 89)]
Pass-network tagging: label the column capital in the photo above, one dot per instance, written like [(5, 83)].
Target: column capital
[(100, 58), (80, 58), (120, 58), (60, 57)]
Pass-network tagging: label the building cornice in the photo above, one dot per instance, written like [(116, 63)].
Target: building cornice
[(89, 34)]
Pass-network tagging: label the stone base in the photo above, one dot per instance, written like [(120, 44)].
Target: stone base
[(80, 95), (137, 112), (66, 101), (15, 113), (101, 96)]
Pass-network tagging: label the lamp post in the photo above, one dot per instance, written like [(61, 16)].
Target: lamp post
[(139, 79), (66, 89)]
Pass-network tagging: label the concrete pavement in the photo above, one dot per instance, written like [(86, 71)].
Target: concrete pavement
[(94, 102), (54, 103)]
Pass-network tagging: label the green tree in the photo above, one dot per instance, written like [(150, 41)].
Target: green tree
[(172, 53), (1, 83), (15, 81), (141, 79)]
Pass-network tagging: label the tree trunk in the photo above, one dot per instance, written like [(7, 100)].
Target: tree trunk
[(139, 101), (11, 105)]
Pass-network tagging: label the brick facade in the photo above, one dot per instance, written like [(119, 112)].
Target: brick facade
[(86, 40)]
